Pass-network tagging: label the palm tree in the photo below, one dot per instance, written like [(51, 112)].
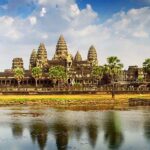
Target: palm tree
[(18, 74), (113, 68), (146, 66), (97, 72), (36, 74), (57, 73)]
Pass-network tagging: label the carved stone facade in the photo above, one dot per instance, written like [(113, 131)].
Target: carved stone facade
[(17, 63), (41, 56), (134, 73), (78, 57), (78, 69), (33, 59), (92, 56)]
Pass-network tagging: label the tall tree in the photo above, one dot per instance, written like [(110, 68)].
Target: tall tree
[(36, 74), (146, 66), (97, 72), (18, 74), (57, 73), (113, 68)]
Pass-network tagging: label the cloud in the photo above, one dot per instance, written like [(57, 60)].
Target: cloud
[(33, 20), (125, 34), (43, 12), (141, 34), (53, 2)]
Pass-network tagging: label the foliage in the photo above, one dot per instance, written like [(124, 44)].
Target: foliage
[(18, 74), (57, 72), (36, 73), (146, 65), (98, 71), (140, 78), (113, 67)]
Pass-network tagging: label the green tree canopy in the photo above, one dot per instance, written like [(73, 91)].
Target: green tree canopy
[(146, 65), (37, 73), (18, 74), (98, 72), (113, 67), (57, 72)]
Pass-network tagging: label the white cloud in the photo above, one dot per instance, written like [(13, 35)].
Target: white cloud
[(141, 34), (8, 21), (33, 20), (52, 2), (7, 29), (125, 34), (74, 9), (43, 12)]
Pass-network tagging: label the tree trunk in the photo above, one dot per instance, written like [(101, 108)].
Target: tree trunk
[(36, 83), (58, 85), (18, 84), (113, 90)]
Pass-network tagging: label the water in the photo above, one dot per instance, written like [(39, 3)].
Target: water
[(53, 129)]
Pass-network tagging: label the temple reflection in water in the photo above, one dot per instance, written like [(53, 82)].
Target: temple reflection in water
[(65, 130)]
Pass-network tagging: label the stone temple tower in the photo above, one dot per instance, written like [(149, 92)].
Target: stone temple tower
[(33, 59), (61, 49), (78, 57), (17, 63), (92, 56), (41, 56), (62, 53)]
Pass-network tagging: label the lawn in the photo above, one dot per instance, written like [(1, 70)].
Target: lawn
[(88, 97)]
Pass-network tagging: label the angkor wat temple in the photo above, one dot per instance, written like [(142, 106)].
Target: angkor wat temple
[(79, 70)]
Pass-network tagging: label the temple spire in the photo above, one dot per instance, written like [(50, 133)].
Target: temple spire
[(41, 55), (33, 59), (61, 49), (92, 55), (78, 57)]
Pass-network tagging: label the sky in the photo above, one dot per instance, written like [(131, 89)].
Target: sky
[(115, 27)]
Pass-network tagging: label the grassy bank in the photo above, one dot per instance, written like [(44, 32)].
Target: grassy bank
[(55, 100)]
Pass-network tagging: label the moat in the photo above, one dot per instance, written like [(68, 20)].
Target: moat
[(24, 128)]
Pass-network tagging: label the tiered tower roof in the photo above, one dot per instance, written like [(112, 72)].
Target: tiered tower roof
[(17, 63), (61, 49), (78, 57), (33, 59), (42, 53), (92, 55)]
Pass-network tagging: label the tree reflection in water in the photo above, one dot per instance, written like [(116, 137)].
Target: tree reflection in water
[(112, 128), (61, 135), (39, 132), (92, 130), (62, 129), (147, 127), (78, 131), (17, 129)]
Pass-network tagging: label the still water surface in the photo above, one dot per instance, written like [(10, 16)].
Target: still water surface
[(53, 129)]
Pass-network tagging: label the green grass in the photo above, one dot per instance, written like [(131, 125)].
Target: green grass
[(66, 99)]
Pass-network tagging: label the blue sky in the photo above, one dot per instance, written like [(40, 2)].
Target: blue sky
[(114, 27), (105, 8)]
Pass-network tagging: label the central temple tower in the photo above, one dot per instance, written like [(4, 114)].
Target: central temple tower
[(62, 53), (61, 49)]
